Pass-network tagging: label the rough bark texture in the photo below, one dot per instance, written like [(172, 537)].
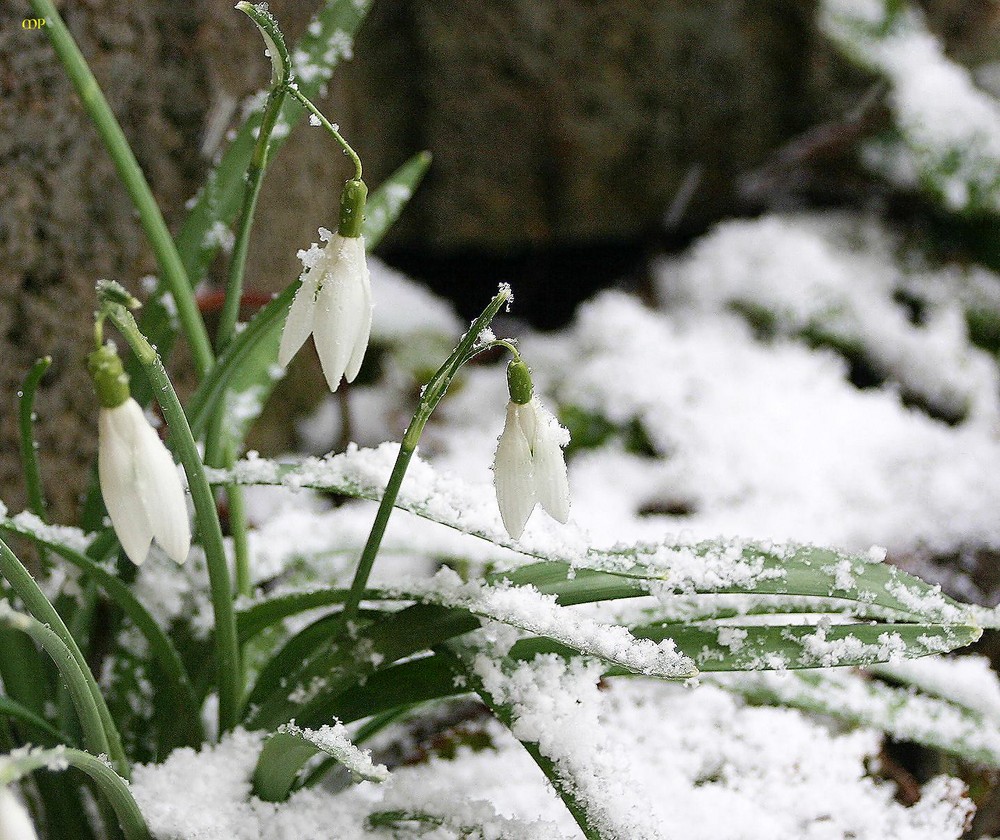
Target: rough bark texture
[(66, 220), (553, 122)]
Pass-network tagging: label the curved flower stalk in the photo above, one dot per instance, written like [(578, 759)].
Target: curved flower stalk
[(139, 481), (529, 467), (15, 824), (334, 302)]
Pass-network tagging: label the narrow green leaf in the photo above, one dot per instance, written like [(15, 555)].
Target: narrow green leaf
[(573, 792), (405, 684), (789, 647), (266, 613), (41, 608), (176, 689), (12, 709), (305, 694), (724, 566), (29, 451), (287, 750), (86, 710), (296, 651), (900, 712), (16, 765)]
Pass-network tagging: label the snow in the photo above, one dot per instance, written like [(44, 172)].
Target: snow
[(526, 608), (749, 430), (951, 128), (335, 740), (720, 769)]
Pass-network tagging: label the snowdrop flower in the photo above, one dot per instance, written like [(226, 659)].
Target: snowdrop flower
[(334, 302), (529, 465), (139, 481), (15, 824)]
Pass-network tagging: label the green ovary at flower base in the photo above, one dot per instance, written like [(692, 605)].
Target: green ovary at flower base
[(529, 467), (141, 486)]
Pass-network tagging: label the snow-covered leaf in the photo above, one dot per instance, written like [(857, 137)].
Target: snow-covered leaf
[(288, 749)]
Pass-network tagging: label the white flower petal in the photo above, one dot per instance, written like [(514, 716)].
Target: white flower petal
[(365, 329), (512, 474), (15, 824), (339, 313), (527, 420), (159, 487), (551, 480), (299, 323), (116, 467)]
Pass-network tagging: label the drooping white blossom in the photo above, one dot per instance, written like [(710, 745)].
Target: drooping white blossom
[(15, 824), (529, 466), (334, 305), (140, 484)]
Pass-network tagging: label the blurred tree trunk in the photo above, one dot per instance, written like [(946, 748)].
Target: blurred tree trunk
[(553, 122)]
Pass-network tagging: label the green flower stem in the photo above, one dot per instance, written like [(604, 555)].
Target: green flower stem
[(94, 735), (29, 450), (113, 786), (238, 530), (226, 649), (167, 257), (432, 394), (312, 109), (281, 73), (255, 178), (39, 607), (221, 453), (234, 286)]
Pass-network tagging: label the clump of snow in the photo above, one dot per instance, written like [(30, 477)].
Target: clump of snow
[(405, 308), (900, 712), (28, 523), (335, 740), (951, 128), (661, 761), (969, 681), (836, 276), (526, 608)]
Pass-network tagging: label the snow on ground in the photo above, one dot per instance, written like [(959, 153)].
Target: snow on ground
[(950, 128), (745, 432), (765, 438), (667, 762)]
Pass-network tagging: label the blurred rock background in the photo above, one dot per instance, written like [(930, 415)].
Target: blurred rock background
[(571, 139)]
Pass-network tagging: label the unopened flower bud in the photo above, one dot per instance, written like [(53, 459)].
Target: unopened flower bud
[(139, 482), (529, 467), (334, 305)]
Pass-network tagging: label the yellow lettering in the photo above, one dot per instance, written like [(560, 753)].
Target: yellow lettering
[(32, 23)]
